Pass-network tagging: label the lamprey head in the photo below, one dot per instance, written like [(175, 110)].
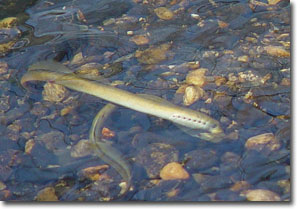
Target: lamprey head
[(215, 134), (199, 125)]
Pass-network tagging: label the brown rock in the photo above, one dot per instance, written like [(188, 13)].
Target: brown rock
[(239, 186), (153, 55), (196, 77), (273, 2), (8, 22), (155, 156), (260, 195), (277, 51), (107, 133), (262, 141), (29, 145), (192, 94), (81, 149), (54, 92), (46, 194), (94, 173), (140, 39), (173, 171), (164, 13)]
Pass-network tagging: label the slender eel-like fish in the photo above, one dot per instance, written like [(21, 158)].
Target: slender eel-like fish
[(192, 122), (105, 151)]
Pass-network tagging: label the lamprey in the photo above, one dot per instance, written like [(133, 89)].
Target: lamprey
[(192, 122), (105, 151)]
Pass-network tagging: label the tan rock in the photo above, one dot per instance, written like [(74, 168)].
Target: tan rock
[(140, 39), (66, 110), (196, 77), (273, 2), (107, 133), (261, 195), (222, 24), (262, 141), (94, 173), (239, 186), (77, 59), (244, 58), (164, 13), (285, 82), (8, 22), (277, 51), (219, 80), (46, 194), (2, 186), (173, 171), (29, 145), (81, 149), (192, 94), (54, 92), (153, 55)]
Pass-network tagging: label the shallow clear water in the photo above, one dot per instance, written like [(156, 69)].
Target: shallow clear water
[(244, 49)]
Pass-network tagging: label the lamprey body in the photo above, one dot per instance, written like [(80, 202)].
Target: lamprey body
[(105, 151), (192, 122)]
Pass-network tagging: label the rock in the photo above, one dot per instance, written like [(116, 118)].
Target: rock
[(54, 92), (155, 156), (277, 51), (273, 2), (107, 133), (260, 195), (94, 173), (164, 13), (46, 194), (239, 186), (222, 24), (29, 145), (286, 185), (219, 80), (66, 110), (263, 141), (196, 77), (173, 171), (192, 94), (200, 159), (8, 22), (3, 68), (89, 69), (81, 149), (140, 39), (5, 195), (153, 55), (53, 141), (2, 186), (39, 109), (77, 59), (285, 82), (244, 58)]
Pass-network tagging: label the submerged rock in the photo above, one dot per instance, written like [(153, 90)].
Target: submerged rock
[(54, 92), (173, 171), (140, 39), (81, 149), (164, 13), (196, 77), (277, 51), (153, 55), (262, 141), (260, 195), (155, 156), (46, 194), (192, 94)]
